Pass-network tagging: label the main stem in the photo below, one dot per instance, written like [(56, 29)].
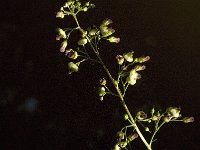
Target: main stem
[(116, 87)]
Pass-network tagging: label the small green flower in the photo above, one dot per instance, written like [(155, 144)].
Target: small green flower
[(188, 119), (66, 5), (105, 31), (139, 67), (78, 4), (128, 56), (72, 67), (60, 14), (69, 3), (155, 118), (92, 32), (113, 39), (147, 129), (126, 116), (82, 41), (102, 91), (120, 59), (85, 8), (103, 81), (130, 80), (73, 55), (167, 118), (133, 76), (132, 137), (175, 112), (120, 135), (63, 46), (123, 144), (142, 59), (87, 4), (106, 22), (101, 98), (61, 34)]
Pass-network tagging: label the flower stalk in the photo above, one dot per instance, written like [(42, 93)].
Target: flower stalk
[(129, 66), (115, 85)]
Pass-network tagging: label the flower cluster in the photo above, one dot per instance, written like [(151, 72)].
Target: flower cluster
[(127, 60), (172, 113), (92, 35), (106, 31), (72, 7)]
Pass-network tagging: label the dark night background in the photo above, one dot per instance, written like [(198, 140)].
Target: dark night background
[(41, 107)]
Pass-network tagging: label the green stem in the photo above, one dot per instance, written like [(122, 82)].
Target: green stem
[(115, 85), (156, 130)]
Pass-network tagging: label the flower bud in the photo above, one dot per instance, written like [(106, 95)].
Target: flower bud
[(154, 118), (142, 59), (82, 41), (128, 56), (87, 4), (69, 2), (66, 5), (106, 22), (85, 8), (103, 81), (113, 39), (123, 144), (60, 14), (188, 119), (105, 31), (126, 116), (132, 137), (147, 129), (63, 46), (120, 59), (102, 91), (91, 5), (72, 67), (78, 4), (92, 32), (120, 135), (152, 111), (139, 67), (61, 34), (101, 98)]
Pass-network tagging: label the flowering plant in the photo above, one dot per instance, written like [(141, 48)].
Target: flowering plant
[(129, 72)]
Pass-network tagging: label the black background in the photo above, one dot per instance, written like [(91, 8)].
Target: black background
[(69, 114)]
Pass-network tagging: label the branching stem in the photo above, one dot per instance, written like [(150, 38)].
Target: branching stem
[(115, 83)]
